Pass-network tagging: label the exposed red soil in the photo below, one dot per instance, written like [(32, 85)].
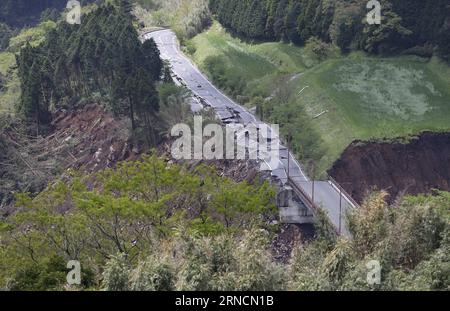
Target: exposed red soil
[(413, 167)]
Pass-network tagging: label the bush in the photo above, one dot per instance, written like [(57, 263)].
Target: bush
[(153, 274), (296, 126), (47, 275), (305, 267), (227, 263), (368, 225), (116, 276), (410, 240), (318, 48), (190, 47)]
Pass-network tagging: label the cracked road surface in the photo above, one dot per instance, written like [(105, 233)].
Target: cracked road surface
[(326, 194)]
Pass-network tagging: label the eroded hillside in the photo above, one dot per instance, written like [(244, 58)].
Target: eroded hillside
[(416, 166)]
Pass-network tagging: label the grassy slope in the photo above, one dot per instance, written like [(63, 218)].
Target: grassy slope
[(366, 97), (375, 98), (252, 62)]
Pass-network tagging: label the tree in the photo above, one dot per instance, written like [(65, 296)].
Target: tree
[(34, 84), (405, 26), (125, 7), (102, 56), (153, 59), (51, 14), (444, 40), (139, 223), (228, 263), (49, 275), (5, 35), (384, 38), (279, 26)]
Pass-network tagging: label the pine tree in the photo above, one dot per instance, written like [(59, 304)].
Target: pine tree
[(279, 25), (293, 12), (125, 7), (153, 59)]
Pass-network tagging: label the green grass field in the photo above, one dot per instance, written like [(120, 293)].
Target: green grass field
[(253, 61), (372, 98), (363, 97)]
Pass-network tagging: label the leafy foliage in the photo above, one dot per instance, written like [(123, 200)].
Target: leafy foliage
[(295, 125), (139, 225), (227, 262), (131, 211), (410, 240), (33, 36), (115, 276), (153, 274), (223, 262)]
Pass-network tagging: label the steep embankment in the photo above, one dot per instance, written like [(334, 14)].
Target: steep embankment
[(413, 167), (89, 138)]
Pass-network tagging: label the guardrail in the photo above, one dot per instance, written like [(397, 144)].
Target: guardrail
[(147, 31), (303, 195), (343, 192), (307, 200)]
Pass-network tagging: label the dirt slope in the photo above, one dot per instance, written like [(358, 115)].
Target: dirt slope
[(413, 167), (92, 138), (89, 138)]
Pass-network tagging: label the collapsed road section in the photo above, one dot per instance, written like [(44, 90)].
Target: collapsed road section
[(323, 194)]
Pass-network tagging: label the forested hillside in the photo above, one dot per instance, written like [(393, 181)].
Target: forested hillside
[(100, 58), (55, 71), (418, 24)]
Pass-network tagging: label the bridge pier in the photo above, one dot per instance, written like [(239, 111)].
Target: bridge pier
[(292, 210)]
